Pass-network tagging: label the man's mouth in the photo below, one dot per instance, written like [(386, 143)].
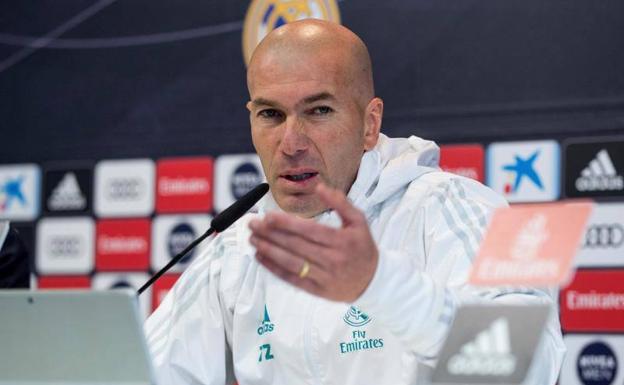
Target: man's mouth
[(300, 177)]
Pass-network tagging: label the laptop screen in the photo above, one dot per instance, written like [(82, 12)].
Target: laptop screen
[(72, 337)]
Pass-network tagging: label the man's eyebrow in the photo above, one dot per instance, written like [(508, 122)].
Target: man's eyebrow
[(263, 102), (307, 100), (318, 97)]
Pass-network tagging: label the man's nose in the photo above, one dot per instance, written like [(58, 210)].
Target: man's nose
[(294, 138)]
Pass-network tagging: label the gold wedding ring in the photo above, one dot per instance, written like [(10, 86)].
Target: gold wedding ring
[(305, 269)]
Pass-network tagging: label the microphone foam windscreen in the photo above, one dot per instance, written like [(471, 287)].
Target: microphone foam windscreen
[(238, 208)]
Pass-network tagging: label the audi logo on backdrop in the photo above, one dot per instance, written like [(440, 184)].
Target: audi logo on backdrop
[(604, 236), (65, 246), (125, 188)]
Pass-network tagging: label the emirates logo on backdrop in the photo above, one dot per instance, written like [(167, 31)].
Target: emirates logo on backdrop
[(184, 185)]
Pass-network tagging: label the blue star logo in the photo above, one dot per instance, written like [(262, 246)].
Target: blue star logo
[(523, 168), (12, 189)]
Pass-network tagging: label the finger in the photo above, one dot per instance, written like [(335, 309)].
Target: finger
[(289, 262), (338, 201), (304, 283), (281, 257), (306, 228), (294, 244)]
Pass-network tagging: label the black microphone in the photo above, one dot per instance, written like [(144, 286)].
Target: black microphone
[(218, 224)]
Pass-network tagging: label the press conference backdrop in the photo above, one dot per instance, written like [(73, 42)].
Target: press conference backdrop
[(123, 127)]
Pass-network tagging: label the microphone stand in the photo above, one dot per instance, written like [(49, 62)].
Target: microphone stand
[(175, 260), (219, 223)]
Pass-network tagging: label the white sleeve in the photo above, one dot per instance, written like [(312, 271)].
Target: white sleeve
[(186, 334), (417, 304)]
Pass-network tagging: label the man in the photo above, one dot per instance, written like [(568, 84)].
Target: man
[(14, 259), (368, 282)]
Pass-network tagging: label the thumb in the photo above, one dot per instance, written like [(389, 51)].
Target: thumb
[(337, 200)]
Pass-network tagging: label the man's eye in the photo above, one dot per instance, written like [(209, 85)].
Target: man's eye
[(322, 110), (269, 113)]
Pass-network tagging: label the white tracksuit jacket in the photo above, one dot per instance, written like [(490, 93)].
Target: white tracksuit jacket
[(229, 316)]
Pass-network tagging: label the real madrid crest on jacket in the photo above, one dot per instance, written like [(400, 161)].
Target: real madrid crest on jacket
[(263, 16), (228, 316)]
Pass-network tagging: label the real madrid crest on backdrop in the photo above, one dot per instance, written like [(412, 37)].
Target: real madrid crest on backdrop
[(263, 16)]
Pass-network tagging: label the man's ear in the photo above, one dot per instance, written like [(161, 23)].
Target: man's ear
[(372, 122)]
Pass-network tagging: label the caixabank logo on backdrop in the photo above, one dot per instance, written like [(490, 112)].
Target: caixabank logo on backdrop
[(124, 188), (524, 171), (123, 245), (263, 16), (184, 185), (594, 168), (603, 241), (465, 160), (172, 233), (65, 245), (20, 187), (67, 191), (594, 301), (593, 359), (235, 176)]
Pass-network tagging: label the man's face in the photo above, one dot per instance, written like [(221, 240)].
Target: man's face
[(307, 127)]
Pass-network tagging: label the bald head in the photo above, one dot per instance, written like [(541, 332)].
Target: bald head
[(338, 50), (312, 111)]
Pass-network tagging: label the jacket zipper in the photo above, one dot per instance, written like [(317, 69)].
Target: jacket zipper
[(307, 340)]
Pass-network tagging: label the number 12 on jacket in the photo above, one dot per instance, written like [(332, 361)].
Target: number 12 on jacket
[(266, 350)]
